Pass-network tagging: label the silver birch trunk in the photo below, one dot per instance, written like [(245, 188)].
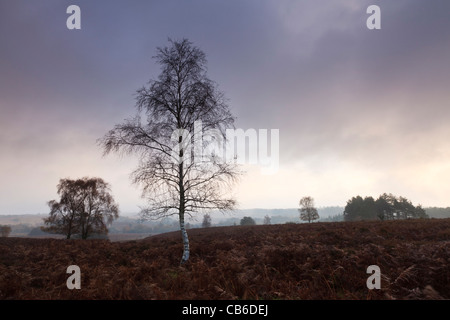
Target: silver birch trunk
[(184, 235)]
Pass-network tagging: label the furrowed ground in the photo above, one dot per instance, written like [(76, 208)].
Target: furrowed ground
[(291, 261)]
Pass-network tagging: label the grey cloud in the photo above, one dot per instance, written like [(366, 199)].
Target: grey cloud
[(314, 71)]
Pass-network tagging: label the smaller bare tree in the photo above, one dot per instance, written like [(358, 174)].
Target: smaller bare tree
[(247, 221), (307, 211), (267, 219), (206, 221), (86, 207)]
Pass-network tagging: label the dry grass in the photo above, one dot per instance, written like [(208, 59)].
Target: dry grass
[(305, 261)]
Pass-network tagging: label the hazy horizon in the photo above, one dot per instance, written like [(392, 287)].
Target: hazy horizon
[(360, 112)]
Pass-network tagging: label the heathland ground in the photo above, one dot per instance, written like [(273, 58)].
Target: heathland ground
[(288, 261)]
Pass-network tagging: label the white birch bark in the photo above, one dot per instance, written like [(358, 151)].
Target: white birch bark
[(184, 235)]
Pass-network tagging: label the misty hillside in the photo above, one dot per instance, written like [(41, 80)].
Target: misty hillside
[(28, 224), (130, 227)]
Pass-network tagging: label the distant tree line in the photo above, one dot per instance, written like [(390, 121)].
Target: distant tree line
[(438, 212), (5, 230), (386, 207), (333, 218)]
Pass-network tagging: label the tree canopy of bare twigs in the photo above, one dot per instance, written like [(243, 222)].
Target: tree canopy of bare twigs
[(307, 211), (173, 181), (86, 207)]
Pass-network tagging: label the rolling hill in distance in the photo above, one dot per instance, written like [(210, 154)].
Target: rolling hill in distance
[(129, 226)]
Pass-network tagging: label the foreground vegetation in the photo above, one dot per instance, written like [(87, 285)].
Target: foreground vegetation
[(292, 261)]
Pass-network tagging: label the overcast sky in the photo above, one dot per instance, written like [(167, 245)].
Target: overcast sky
[(360, 112)]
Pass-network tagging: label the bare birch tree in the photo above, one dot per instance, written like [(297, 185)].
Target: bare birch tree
[(174, 182), (307, 211)]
